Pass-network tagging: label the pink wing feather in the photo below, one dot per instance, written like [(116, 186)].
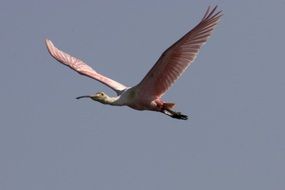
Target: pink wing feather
[(82, 68), (175, 60)]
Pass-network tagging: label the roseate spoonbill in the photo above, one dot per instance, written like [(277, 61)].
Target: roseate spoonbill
[(147, 94)]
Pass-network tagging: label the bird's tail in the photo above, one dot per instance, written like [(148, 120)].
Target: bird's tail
[(168, 105)]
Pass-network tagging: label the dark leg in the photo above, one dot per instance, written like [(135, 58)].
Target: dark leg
[(173, 114)]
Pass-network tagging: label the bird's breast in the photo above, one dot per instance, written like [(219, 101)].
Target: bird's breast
[(127, 97), (133, 99)]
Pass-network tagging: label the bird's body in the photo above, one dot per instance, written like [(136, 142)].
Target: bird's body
[(130, 97), (147, 94)]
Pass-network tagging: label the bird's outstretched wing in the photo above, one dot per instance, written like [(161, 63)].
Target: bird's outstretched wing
[(175, 60), (82, 68)]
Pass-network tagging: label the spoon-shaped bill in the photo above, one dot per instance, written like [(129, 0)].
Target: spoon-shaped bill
[(86, 96)]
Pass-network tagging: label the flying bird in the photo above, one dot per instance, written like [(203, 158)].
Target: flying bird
[(147, 95)]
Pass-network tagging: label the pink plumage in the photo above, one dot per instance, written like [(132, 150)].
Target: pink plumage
[(176, 59), (169, 67), (82, 68)]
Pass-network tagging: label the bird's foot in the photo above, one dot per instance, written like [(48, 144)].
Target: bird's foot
[(176, 115)]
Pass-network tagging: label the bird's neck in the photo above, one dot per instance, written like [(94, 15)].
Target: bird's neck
[(111, 101)]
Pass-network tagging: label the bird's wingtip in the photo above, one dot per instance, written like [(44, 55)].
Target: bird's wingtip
[(50, 46), (48, 42), (212, 12)]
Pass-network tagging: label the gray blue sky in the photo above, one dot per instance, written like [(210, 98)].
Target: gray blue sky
[(234, 92)]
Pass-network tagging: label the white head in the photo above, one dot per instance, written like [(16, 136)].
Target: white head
[(101, 97)]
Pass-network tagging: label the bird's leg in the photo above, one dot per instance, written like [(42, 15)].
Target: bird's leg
[(173, 114)]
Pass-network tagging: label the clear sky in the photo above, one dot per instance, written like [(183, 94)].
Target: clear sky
[(234, 93)]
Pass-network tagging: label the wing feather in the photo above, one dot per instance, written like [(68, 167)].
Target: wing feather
[(82, 68), (176, 59)]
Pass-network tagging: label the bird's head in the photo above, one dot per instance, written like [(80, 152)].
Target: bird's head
[(101, 97)]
